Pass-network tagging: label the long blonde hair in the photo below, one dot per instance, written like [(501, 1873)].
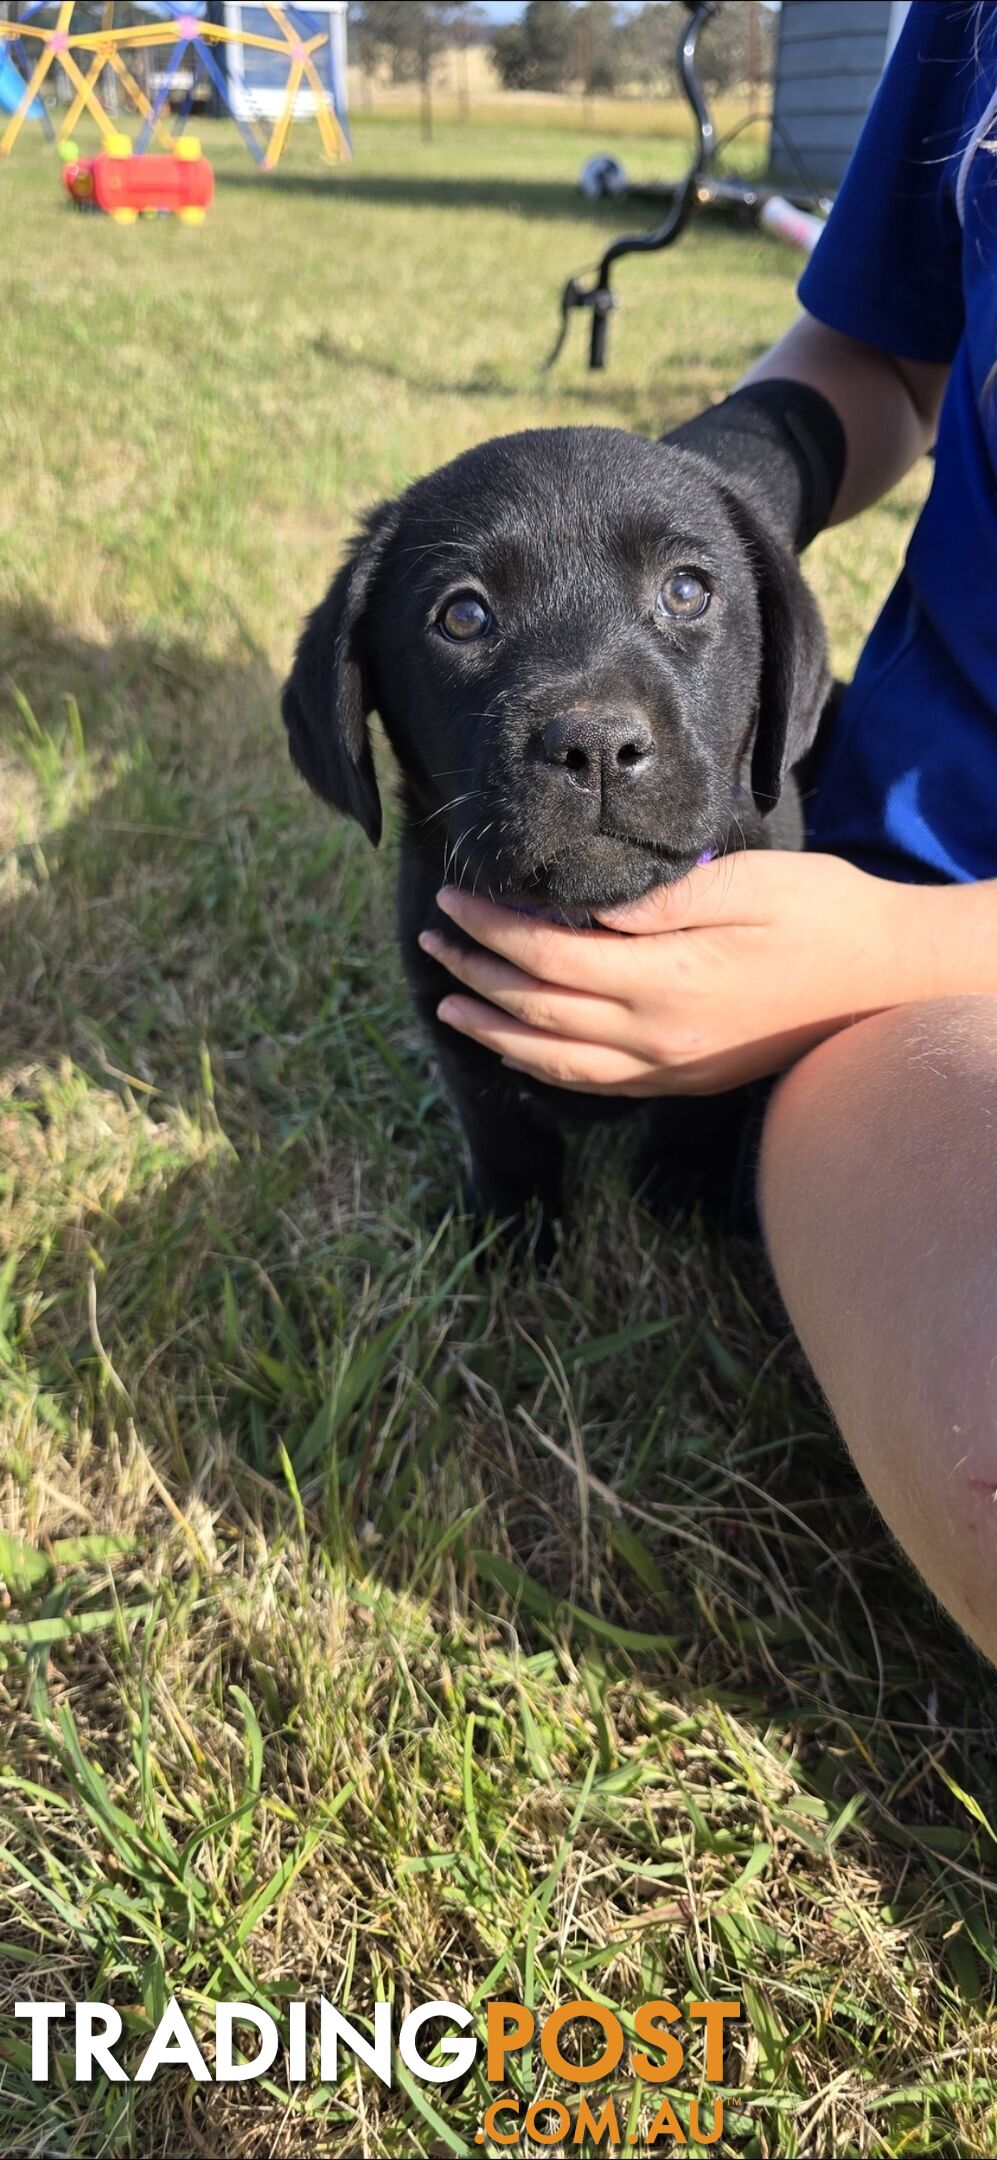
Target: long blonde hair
[(981, 137)]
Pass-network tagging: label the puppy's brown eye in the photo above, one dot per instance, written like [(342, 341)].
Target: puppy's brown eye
[(464, 618), (683, 596)]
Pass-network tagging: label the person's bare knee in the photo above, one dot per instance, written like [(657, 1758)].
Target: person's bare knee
[(894, 1112), (878, 1193)]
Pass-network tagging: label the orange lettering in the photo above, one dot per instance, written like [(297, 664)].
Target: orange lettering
[(607, 2126), (713, 2015), (578, 2073), (510, 2025), (494, 2109), (696, 2131), (547, 2107), (648, 2021), (666, 2124)]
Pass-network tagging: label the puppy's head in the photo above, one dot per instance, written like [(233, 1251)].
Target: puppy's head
[(589, 656)]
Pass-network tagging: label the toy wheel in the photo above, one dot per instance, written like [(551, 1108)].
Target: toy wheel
[(602, 176), (125, 217), (191, 217)]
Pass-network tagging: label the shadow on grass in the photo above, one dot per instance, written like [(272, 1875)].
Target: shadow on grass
[(202, 941), (224, 1207), (685, 386), (516, 197)]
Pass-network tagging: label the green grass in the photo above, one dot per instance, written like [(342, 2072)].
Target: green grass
[(375, 1625)]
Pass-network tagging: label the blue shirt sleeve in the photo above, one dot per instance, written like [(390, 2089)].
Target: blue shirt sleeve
[(888, 269)]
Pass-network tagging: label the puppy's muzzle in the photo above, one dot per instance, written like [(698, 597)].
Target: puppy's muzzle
[(598, 753)]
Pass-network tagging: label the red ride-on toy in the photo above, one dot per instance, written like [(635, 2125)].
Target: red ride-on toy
[(126, 186)]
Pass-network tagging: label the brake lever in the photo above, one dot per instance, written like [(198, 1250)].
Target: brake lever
[(597, 297)]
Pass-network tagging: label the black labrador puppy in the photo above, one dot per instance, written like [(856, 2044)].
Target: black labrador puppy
[(596, 663)]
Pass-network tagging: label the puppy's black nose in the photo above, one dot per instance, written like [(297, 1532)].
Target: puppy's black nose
[(595, 752)]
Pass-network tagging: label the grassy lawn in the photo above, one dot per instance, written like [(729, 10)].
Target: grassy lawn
[(379, 1626)]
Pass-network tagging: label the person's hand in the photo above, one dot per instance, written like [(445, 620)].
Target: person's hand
[(731, 974)]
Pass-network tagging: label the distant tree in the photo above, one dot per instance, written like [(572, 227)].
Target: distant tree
[(735, 37), (363, 35), (407, 37), (468, 18), (598, 29), (558, 44), (540, 52), (645, 44), (738, 44)]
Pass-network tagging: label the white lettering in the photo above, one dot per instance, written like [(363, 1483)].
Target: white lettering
[(40, 2015), (376, 2053), (461, 2052), (297, 2052), (98, 2030), (227, 2070), (172, 2042)]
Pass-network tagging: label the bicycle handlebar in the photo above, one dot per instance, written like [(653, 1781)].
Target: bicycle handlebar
[(599, 296)]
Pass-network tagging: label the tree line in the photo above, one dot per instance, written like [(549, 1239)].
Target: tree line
[(594, 46)]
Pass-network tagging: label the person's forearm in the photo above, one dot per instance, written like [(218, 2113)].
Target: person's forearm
[(952, 939), (888, 407)]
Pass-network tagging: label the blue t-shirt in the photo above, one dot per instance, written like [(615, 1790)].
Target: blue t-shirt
[(908, 784)]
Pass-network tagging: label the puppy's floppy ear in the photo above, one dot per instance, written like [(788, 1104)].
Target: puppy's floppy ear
[(328, 694), (795, 678)]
